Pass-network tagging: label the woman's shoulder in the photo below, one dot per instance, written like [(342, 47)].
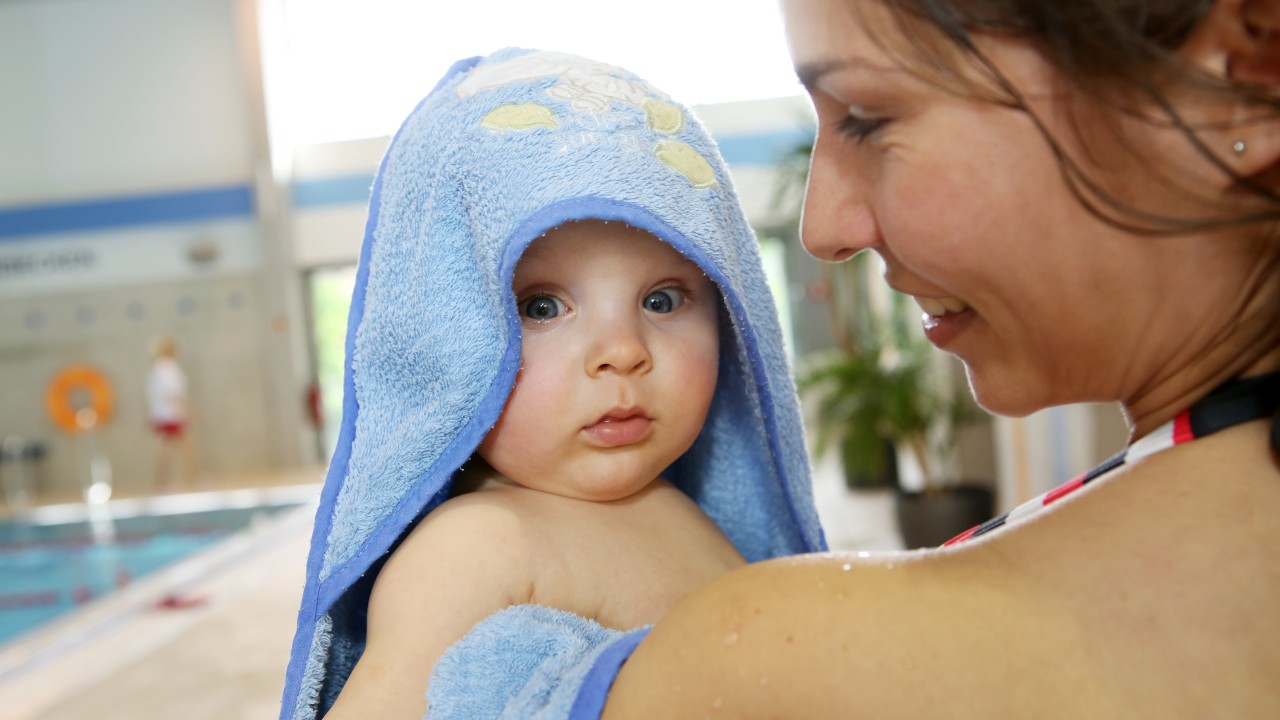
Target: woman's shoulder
[(847, 635), (1156, 568)]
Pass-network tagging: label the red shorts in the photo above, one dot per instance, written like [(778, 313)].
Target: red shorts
[(169, 430)]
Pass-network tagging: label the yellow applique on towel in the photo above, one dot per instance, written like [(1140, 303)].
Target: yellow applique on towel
[(522, 116), (663, 117), (682, 158)]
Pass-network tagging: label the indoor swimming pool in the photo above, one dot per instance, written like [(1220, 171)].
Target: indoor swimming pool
[(49, 569)]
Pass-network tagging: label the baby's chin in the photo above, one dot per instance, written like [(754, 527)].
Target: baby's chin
[(599, 487)]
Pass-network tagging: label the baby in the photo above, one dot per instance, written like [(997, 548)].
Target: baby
[(566, 387), (564, 505)]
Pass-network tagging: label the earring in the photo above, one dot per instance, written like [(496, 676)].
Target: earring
[(1238, 147)]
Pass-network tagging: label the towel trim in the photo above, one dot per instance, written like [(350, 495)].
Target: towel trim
[(589, 702)]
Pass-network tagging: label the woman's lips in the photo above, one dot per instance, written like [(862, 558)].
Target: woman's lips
[(944, 318), (615, 430), (943, 329)]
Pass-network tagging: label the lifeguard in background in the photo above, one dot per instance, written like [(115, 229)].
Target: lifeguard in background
[(169, 413)]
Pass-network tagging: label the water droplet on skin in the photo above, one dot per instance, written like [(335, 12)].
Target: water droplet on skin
[(717, 704), (909, 665), (846, 567), (864, 554), (822, 585), (888, 566), (730, 639)]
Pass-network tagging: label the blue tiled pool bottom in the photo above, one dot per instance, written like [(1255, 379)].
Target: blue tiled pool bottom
[(47, 571)]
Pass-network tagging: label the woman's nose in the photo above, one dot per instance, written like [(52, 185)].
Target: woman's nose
[(619, 347), (837, 222)]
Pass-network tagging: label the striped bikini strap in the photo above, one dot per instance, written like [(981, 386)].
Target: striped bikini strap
[(1234, 402)]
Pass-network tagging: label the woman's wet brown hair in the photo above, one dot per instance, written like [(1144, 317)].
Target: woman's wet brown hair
[(1119, 56)]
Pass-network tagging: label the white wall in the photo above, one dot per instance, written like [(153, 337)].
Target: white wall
[(115, 97), (116, 114)]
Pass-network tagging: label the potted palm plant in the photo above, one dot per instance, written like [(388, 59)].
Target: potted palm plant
[(880, 389)]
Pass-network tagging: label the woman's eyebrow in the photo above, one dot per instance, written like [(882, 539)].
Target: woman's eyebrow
[(810, 73)]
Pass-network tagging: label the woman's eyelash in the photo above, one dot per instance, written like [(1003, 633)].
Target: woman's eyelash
[(859, 128)]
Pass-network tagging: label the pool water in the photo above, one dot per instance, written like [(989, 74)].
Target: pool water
[(47, 571)]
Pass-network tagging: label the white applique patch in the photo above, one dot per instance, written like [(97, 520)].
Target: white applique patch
[(587, 85), (591, 88)]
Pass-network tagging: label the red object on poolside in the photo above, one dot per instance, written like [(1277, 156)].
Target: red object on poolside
[(175, 601), (81, 594)]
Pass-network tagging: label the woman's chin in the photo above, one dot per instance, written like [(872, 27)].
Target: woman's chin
[(999, 394)]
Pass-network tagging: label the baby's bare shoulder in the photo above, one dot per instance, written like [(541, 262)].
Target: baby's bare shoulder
[(464, 561), (479, 518)]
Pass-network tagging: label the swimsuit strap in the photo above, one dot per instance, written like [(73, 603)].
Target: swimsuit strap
[(1235, 402)]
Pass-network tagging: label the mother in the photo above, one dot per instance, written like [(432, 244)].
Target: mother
[(1095, 182)]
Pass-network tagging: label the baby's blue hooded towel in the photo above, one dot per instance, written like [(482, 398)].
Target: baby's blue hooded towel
[(505, 148)]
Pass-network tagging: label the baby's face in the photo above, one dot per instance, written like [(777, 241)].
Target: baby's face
[(619, 360)]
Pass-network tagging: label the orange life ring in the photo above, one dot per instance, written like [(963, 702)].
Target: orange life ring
[(57, 396)]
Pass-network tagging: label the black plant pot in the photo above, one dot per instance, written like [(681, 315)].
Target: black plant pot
[(887, 477), (930, 518)]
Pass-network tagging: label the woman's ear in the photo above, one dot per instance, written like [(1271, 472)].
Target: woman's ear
[(1253, 55), (1256, 55), (1239, 40)]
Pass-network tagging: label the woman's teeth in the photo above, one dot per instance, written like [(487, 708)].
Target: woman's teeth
[(937, 307)]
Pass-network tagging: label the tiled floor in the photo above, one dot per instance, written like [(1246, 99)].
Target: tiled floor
[(224, 656)]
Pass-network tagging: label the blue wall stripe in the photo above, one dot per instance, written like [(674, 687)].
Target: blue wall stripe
[(234, 201), (332, 191), (761, 148)]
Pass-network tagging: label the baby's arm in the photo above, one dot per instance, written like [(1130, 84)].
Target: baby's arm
[(462, 563)]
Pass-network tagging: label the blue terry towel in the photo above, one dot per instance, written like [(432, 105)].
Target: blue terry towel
[(529, 663), (505, 148)]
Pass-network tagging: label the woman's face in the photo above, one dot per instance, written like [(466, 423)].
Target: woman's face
[(967, 206)]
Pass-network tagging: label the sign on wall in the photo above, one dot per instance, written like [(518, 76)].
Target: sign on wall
[(83, 261)]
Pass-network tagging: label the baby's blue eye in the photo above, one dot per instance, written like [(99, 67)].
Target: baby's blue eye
[(663, 301), (542, 308)]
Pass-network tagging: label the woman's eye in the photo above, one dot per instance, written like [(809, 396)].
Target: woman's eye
[(860, 128), (542, 308), (663, 301)]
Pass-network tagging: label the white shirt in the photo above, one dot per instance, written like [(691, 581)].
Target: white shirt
[(166, 392)]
